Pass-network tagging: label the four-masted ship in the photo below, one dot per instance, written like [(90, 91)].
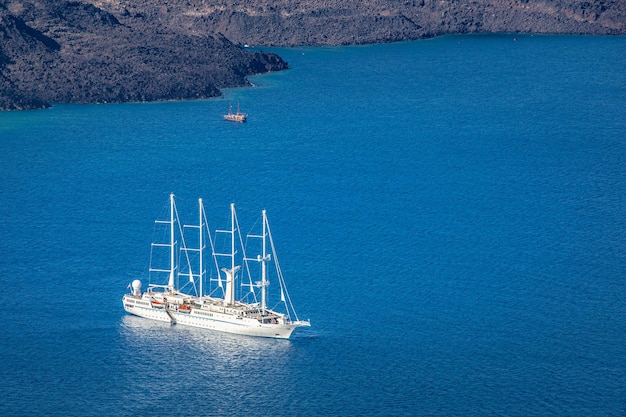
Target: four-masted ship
[(233, 302)]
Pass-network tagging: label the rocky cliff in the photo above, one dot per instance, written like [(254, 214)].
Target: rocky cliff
[(333, 22), (75, 52), (143, 50)]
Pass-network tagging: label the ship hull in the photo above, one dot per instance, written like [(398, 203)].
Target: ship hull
[(143, 308), (218, 322), (235, 325)]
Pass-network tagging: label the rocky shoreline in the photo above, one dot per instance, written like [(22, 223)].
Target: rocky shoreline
[(105, 51), (73, 52)]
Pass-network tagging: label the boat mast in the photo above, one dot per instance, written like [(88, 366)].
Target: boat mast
[(230, 277), (263, 264), (170, 284), (200, 245)]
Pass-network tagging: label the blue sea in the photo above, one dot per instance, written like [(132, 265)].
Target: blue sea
[(450, 214)]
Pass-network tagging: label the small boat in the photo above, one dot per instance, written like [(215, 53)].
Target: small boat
[(238, 117), (232, 296)]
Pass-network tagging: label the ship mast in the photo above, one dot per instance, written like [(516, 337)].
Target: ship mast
[(264, 260), (200, 245), (230, 276), (170, 283)]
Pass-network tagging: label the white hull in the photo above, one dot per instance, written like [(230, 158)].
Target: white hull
[(143, 308), (230, 324), (227, 323)]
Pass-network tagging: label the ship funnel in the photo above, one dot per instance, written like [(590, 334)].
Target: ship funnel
[(136, 288), (229, 294)]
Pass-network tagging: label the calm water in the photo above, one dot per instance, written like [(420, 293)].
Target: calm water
[(450, 214)]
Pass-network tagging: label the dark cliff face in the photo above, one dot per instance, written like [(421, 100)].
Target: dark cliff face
[(94, 51), (323, 22), (22, 49), (73, 52)]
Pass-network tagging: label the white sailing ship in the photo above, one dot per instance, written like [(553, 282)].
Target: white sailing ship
[(210, 302)]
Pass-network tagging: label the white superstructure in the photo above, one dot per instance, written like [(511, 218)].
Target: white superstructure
[(215, 305)]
